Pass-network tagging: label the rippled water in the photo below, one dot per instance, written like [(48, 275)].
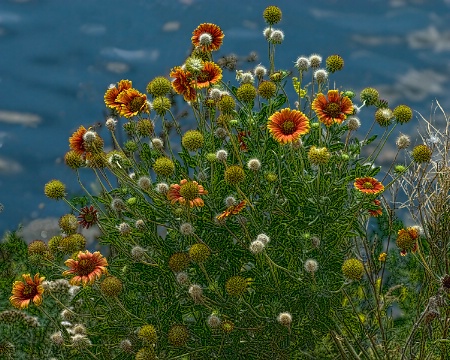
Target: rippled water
[(58, 57)]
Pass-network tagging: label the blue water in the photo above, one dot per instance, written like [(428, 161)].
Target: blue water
[(58, 57)]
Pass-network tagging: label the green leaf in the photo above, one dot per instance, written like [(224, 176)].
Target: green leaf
[(374, 171), (369, 140), (145, 153)]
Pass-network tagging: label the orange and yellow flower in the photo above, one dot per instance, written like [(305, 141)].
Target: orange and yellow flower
[(112, 93), (288, 125), (187, 192), (86, 268), (211, 74), (368, 185), (182, 83), (378, 210), (332, 108), (213, 31), (24, 292), (232, 210), (132, 102), (76, 141)]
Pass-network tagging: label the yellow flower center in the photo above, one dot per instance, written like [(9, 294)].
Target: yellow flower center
[(29, 290), (189, 191), (204, 76), (136, 104), (333, 110), (368, 185), (88, 217), (288, 127), (85, 267)]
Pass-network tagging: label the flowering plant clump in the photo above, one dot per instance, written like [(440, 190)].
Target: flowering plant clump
[(248, 234)]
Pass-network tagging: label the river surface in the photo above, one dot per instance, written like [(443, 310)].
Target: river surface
[(57, 58)]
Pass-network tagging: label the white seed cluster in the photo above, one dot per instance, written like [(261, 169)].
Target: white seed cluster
[(321, 75), (403, 141), (353, 123), (284, 318), (302, 63), (222, 155), (145, 183), (111, 124), (311, 266), (186, 229), (257, 247), (263, 238), (254, 164)]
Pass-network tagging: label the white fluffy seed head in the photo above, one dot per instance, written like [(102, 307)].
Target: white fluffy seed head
[(144, 183), (124, 228), (302, 63), (67, 315), (80, 341), (403, 141), (79, 329), (138, 253), (73, 290), (115, 159), (284, 318), (353, 123), (257, 247), (162, 188), (247, 78), (182, 278), (213, 321), (260, 71), (321, 75), (311, 266), (140, 224), (315, 60), (205, 39), (276, 37), (254, 164), (117, 204), (126, 346), (195, 291), (111, 124), (57, 338), (157, 143), (215, 94), (263, 238), (186, 229), (230, 201), (89, 136), (222, 155), (266, 32), (221, 133)]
